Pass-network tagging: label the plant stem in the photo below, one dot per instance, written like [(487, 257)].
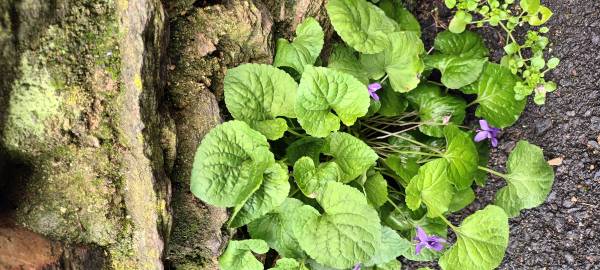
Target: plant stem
[(454, 228), (419, 153), (296, 133), (492, 171), (384, 78)]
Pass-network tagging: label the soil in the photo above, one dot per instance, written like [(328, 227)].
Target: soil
[(564, 232)]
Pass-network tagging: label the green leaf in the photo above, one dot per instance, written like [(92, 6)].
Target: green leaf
[(433, 111), (553, 62), (462, 157), (353, 156), (360, 24), (391, 265), (406, 20), (272, 193), (422, 93), (390, 248), (495, 95), (311, 179), (276, 228), (257, 94), (392, 102), (322, 90), (307, 146), (288, 264), (230, 164), (347, 232), (541, 17), (511, 48), (404, 167), (305, 48), (432, 107), (450, 3), (482, 239), (238, 255), (529, 178), (530, 6), (401, 61), (376, 189), (432, 187), (343, 59), (461, 199), (460, 59), (459, 23)]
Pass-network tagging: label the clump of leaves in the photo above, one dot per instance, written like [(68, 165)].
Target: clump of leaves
[(359, 163), (524, 58)]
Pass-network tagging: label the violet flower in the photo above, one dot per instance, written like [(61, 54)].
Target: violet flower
[(430, 242), (487, 132), (372, 88), (356, 267)]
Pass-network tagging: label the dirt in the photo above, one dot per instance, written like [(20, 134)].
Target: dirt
[(564, 232)]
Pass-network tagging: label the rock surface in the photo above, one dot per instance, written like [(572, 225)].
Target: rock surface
[(80, 123)]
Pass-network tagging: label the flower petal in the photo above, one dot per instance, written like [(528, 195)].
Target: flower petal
[(482, 135), (374, 96), (419, 247), (421, 235), (437, 246), (356, 267), (494, 142), (374, 87), (484, 124)]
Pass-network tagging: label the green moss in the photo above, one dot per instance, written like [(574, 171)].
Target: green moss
[(32, 103)]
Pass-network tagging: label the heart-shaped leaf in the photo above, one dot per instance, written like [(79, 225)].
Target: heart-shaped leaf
[(392, 102), (238, 255), (308, 146), (360, 24), (305, 48), (343, 59), (347, 232), (460, 58), (406, 20), (482, 239), (401, 61), (462, 157), (269, 195), (376, 189), (276, 228), (257, 94), (230, 164), (352, 155), (390, 248), (529, 178), (310, 179), (433, 107), (322, 90), (432, 187), (496, 96)]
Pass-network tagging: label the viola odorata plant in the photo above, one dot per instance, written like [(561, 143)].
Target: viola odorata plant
[(358, 162)]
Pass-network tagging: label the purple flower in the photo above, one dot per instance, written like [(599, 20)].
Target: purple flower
[(487, 132), (356, 267), (372, 88), (430, 242)]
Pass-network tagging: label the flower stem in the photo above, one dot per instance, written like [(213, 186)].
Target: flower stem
[(492, 171)]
